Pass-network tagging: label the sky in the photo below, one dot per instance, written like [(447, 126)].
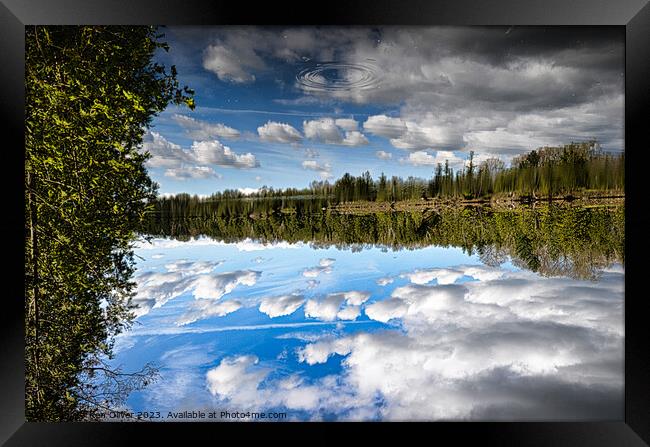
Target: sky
[(372, 334), (283, 107)]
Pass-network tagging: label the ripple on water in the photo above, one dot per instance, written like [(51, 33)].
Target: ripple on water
[(338, 76)]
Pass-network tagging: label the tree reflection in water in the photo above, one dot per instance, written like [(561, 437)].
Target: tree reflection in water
[(552, 240)]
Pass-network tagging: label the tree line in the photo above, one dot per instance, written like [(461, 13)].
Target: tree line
[(546, 172)]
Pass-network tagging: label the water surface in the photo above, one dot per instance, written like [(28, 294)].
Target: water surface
[(505, 322)]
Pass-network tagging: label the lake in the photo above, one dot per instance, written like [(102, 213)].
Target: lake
[(452, 314)]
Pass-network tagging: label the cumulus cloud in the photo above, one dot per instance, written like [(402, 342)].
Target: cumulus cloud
[(184, 164), (232, 63), (349, 313), (164, 153), (329, 308), (331, 131), (281, 305), (325, 309), (385, 126), (457, 88), (206, 308), (192, 267), (451, 275), (203, 130), (511, 347), (348, 124), (215, 286), (235, 377), (386, 310), (238, 381), (324, 170), (514, 347), (191, 172), (213, 152), (354, 138), (274, 132), (154, 289), (353, 297)]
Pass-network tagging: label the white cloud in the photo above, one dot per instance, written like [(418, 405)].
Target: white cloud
[(213, 152), (191, 164), (215, 286), (164, 153), (414, 131), (232, 63), (352, 297), (348, 124), (384, 155), (192, 267), (329, 308), (273, 132), (385, 126), (155, 289), (281, 305), (323, 130), (247, 244), (325, 309), (191, 172), (235, 377), (349, 313), (386, 310), (354, 138), (459, 89), (330, 131), (203, 130), (320, 351), (451, 275), (324, 170), (517, 347), (207, 308)]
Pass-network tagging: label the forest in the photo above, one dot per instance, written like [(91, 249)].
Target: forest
[(544, 173)]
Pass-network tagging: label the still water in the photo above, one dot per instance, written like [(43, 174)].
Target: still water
[(466, 330)]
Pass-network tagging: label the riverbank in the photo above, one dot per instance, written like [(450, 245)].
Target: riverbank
[(585, 199)]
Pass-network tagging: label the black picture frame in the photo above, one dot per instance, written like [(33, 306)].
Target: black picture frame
[(634, 15)]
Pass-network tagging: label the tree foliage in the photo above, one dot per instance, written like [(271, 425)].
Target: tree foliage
[(91, 91)]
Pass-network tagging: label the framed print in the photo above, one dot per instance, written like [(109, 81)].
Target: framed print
[(417, 215)]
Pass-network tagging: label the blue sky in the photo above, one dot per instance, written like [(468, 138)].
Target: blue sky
[(375, 334), (284, 106)]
